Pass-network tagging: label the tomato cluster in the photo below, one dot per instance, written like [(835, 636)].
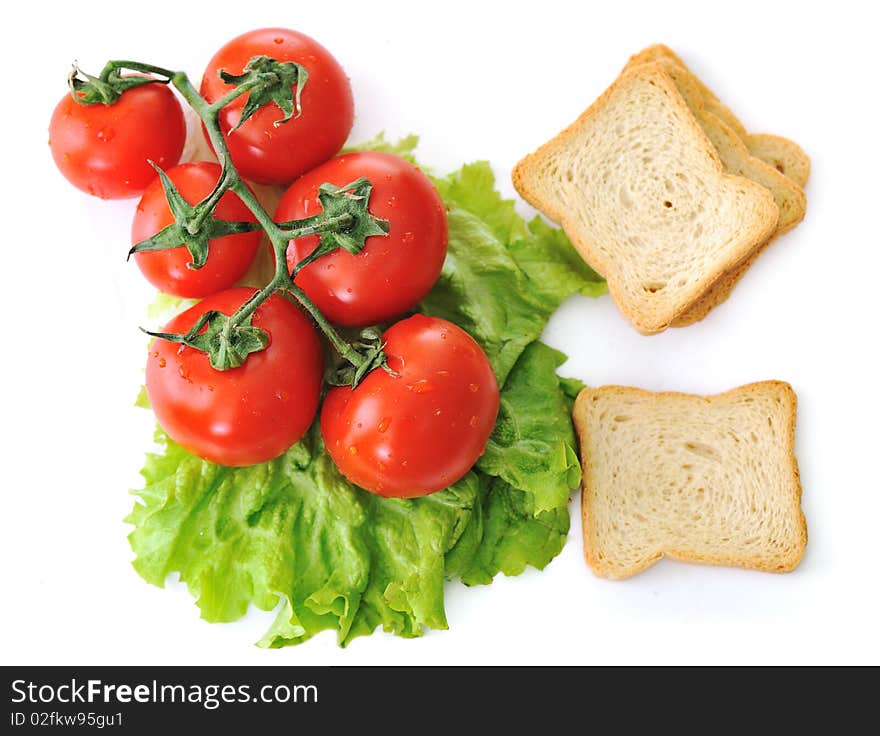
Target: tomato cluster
[(412, 428)]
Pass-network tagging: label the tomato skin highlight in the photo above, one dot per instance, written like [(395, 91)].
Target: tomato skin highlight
[(104, 149), (277, 155), (228, 258), (393, 272), (246, 415), (420, 431)]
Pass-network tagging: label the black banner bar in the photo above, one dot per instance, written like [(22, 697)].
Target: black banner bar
[(410, 700)]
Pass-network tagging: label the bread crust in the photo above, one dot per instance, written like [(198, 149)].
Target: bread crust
[(783, 154), (765, 224), (778, 565)]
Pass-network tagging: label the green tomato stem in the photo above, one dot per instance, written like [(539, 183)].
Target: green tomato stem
[(215, 107), (206, 208), (347, 226), (344, 223), (135, 66), (278, 237)]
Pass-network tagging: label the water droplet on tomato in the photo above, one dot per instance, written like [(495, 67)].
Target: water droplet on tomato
[(352, 450), (383, 425), (282, 395), (437, 412), (392, 201), (422, 386), (444, 335), (442, 373), (278, 40), (106, 134), (473, 388), (183, 372), (408, 237), (162, 363), (474, 421), (360, 425)]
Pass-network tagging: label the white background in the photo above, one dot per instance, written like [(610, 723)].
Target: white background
[(476, 81)]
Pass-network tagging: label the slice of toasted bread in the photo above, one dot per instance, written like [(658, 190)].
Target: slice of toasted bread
[(702, 479), (784, 155), (642, 194)]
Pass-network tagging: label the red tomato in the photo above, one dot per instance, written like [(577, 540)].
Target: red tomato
[(393, 273), (422, 430), (277, 155), (244, 415), (228, 258), (104, 149)]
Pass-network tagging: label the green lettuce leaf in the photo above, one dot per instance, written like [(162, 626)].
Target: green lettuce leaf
[(405, 147), (293, 531), (294, 536), (513, 536), (532, 446)]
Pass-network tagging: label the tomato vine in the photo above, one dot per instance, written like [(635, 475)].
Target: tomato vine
[(345, 221)]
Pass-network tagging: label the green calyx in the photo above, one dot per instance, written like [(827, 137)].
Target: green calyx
[(347, 207), (194, 225), (267, 81), (227, 344), (372, 349), (352, 200), (106, 89)]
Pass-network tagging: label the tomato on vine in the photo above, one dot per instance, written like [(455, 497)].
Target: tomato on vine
[(393, 272), (246, 414), (170, 270), (236, 379), (105, 148), (263, 148), (421, 428)]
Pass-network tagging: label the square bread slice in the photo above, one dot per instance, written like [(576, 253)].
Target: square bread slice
[(784, 155), (711, 479), (641, 193)]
